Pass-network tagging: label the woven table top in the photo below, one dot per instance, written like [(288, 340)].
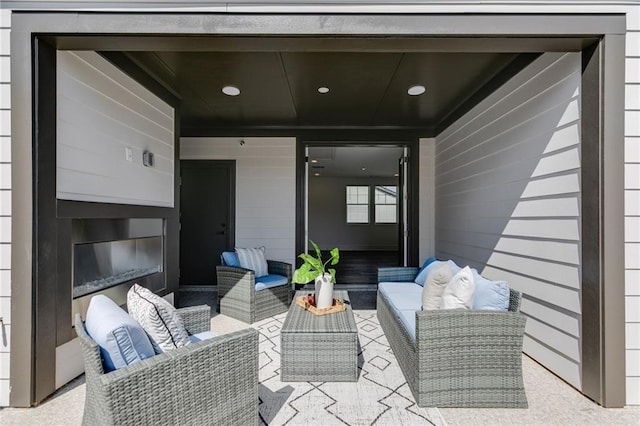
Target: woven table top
[(301, 321)]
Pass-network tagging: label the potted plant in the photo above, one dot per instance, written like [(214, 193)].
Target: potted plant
[(314, 268)]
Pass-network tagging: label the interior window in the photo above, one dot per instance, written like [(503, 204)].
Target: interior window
[(386, 201), (357, 204)]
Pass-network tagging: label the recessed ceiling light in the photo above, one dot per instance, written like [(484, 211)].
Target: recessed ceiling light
[(396, 174), (323, 89), (416, 90), (314, 161), (316, 174), (231, 90), (364, 168)]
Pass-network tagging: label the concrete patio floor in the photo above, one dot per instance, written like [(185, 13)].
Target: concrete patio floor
[(551, 400)]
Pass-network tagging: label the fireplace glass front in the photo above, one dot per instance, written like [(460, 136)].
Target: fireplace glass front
[(98, 266)]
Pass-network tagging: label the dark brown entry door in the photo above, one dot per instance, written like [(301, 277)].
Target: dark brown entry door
[(207, 212)]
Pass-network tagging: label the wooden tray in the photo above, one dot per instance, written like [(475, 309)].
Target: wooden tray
[(338, 306)]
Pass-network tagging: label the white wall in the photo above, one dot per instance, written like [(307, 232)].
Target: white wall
[(265, 189), (427, 196), (632, 208), (508, 201), (328, 225), (5, 205), (102, 113)]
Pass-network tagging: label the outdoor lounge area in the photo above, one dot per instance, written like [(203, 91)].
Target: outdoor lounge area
[(380, 395), (477, 164)]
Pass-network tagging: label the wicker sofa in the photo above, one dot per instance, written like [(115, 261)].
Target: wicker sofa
[(456, 358), (214, 381), (239, 298)]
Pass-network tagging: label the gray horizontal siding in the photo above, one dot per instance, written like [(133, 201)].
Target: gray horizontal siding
[(507, 191), (100, 113)]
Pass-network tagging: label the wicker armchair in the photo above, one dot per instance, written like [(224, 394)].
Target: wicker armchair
[(458, 358), (214, 381), (239, 298)]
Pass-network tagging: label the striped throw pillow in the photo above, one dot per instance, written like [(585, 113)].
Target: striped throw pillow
[(158, 318), (253, 258)]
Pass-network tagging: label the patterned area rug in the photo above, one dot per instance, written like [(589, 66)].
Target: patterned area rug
[(381, 395)]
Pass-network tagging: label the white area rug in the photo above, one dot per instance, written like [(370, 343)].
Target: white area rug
[(381, 395)]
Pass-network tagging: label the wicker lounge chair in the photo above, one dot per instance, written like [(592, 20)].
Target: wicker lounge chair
[(459, 358), (239, 298), (214, 381)]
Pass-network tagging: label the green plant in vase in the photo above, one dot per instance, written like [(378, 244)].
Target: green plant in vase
[(316, 269)]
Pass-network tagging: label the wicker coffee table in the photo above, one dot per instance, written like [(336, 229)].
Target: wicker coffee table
[(319, 348)]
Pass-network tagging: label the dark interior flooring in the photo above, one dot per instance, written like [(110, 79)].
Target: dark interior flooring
[(355, 269), (361, 267), (360, 299)]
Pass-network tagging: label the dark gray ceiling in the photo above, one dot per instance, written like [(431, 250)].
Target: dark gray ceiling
[(279, 88)]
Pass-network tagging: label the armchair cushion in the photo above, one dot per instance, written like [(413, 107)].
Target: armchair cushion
[(253, 259), (230, 258), (199, 337), (121, 339), (269, 281), (158, 318)]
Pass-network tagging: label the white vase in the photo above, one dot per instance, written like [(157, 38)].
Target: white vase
[(324, 291)]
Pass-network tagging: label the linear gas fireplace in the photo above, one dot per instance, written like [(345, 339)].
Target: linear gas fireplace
[(110, 255)]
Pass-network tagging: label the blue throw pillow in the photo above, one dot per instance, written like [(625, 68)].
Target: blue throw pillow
[(121, 339), (490, 295), (230, 258), (428, 262), (424, 273)]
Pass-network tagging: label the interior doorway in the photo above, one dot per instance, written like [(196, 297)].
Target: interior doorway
[(207, 218), (355, 202)]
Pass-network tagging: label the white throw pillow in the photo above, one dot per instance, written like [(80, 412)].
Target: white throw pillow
[(459, 292), (434, 287), (253, 258), (158, 318)]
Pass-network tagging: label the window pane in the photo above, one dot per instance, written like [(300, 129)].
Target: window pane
[(357, 204), (352, 195), (385, 213), (386, 200), (357, 195), (357, 213)]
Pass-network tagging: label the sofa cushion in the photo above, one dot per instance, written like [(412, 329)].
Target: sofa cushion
[(458, 294), (434, 287), (388, 288), (121, 339), (269, 281), (253, 259), (230, 258), (158, 317), (409, 300), (490, 295), (408, 319)]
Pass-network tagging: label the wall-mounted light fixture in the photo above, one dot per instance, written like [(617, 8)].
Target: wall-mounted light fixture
[(147, 158)]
